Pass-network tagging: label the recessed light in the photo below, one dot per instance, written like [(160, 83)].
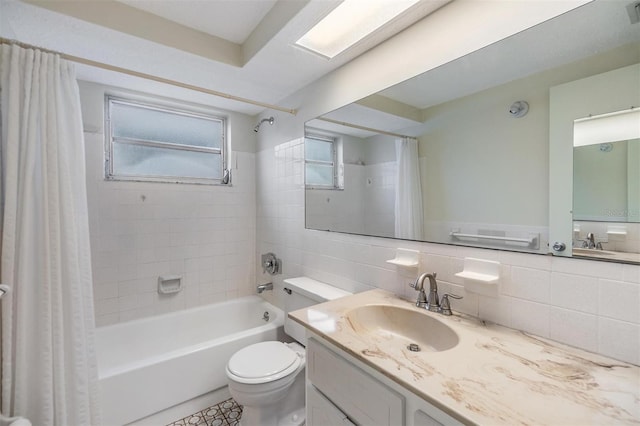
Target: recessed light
[(350, 22)]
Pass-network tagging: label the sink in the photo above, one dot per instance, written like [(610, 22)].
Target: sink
[(397, 325), (592, 252)]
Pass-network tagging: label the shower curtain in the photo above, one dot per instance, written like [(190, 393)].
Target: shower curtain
[(408, 206), (49, 371)]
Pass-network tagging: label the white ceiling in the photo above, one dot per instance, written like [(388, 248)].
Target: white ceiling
[(241, 47), (594, 28), (232, 20)]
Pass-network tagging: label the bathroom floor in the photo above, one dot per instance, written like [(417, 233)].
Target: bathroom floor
[(227, 413)]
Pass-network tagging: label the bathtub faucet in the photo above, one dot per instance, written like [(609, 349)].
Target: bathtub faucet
[(263, 287)]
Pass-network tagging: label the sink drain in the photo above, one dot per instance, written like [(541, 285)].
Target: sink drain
[(413, 347)]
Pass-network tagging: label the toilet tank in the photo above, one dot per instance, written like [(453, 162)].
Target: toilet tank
[(305, 292)]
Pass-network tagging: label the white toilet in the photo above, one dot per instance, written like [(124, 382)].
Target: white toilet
[(267, 378)]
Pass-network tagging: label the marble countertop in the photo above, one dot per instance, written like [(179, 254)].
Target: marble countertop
[(614, 256), (495, 375)]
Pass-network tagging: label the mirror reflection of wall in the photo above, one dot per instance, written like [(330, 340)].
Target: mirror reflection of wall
[(605, 186), (484, 171), (605, 159), (363, 204), (606, 182)]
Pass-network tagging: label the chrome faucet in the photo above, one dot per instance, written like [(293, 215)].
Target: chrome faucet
[(431, 302), (421, 302), (263, 287), (590, 242)]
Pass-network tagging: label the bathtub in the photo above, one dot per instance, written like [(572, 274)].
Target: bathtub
[(151, 364)]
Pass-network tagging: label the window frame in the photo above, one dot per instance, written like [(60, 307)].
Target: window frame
[(172, 108), (337, 182)]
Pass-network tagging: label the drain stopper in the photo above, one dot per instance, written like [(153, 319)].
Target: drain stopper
[(413, 347)]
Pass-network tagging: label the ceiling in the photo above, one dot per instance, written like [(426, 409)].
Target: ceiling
[(589, 30), (231, 20), (241, 47)]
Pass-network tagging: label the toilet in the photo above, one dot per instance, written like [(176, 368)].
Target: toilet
[(267, 378)]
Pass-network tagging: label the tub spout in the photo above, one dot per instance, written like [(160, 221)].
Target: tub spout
[(263, 287)]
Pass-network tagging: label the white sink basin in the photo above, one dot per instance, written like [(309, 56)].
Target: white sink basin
[(395, 325)]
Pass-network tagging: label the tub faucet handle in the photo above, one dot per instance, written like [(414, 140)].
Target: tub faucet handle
[(271, 264)]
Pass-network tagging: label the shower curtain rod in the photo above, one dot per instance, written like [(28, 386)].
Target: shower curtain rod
[(370, 129), (121, 70)]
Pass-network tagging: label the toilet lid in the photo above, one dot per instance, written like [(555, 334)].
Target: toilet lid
[(265, 361)]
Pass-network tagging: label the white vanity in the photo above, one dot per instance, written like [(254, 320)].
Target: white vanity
[(361, 370), (342, 390)]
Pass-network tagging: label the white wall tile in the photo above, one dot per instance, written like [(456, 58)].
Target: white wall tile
[(562, 299), (619, 340), (140, 231), (529, 284), (619, 300), (573, 328), (530, 317), (494, 309), (590, 268), (575, 292)]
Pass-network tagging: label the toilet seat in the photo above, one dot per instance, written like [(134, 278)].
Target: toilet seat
[(263, 362)]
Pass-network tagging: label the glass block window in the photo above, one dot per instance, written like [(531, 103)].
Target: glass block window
[(154, 143), (320, 162)]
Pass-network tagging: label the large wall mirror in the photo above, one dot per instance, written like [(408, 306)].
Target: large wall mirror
[(460, 154)]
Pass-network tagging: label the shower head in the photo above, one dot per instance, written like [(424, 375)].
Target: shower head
[(269, 120)]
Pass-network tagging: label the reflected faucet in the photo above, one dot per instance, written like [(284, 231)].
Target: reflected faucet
[(590, 242)]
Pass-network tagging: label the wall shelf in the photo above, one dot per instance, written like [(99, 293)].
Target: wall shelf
[(406, 258), (480, 276), (617, 230)]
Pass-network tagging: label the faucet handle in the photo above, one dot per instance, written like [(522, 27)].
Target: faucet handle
[(445, 305), (418, 284)]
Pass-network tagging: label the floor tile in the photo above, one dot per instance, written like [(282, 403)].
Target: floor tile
[(226, 413)]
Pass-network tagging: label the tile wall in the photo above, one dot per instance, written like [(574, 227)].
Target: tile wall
[(368, 189), (140, 231), (588, 304)]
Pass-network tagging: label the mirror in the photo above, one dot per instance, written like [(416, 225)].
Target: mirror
[(606, 180), (460, 154)]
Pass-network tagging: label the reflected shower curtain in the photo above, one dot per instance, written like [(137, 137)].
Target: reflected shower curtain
[(49, 371), (408, 208)]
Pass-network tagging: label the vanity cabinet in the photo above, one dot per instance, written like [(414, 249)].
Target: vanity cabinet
[(361, 397), (344, 391)]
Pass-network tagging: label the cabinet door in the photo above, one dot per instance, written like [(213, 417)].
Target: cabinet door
[(321, 412), (364, 399)]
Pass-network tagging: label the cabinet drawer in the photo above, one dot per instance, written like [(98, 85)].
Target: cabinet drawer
[(362, 398)]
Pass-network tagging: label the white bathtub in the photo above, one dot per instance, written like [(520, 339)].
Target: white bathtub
[(151, 364)]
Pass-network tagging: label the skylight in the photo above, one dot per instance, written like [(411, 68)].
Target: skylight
[(350, 22)]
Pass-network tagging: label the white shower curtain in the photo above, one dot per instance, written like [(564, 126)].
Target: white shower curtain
[(49, 372), (408, 208)]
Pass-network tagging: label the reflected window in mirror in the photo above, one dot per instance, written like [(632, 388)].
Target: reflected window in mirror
[(323, 162)]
